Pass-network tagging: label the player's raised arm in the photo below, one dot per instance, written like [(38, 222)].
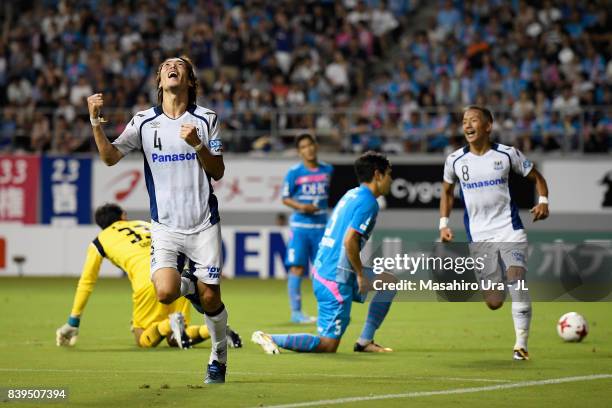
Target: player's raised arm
[(211, 163), (109, 154), (540, 211), (446, 205)]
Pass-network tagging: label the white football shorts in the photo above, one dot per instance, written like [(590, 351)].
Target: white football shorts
[(498, 257), (202, 248)]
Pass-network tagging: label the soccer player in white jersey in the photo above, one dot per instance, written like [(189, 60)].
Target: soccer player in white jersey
[(182, 152), (482, 169)]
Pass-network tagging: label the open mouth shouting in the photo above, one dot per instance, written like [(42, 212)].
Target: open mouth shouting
[(469, 133)]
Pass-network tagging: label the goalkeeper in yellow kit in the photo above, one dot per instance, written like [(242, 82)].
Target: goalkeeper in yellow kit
[(127, 244)]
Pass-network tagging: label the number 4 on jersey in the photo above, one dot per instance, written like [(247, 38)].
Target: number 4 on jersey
[(157, 142)]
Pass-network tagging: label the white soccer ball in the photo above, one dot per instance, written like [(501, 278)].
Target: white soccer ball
[(572, 327)]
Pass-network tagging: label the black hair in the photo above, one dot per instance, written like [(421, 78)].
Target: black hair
[(302, 137), (107, 214), (486, 114), (368, 163)]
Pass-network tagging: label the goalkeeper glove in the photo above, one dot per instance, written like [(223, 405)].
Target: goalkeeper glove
[(68, 333)]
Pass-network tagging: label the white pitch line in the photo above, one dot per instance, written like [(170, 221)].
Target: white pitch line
[(92, 371), (416, 394), (460, 379)]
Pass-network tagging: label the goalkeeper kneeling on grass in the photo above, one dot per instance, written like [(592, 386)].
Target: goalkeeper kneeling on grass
[(127, 244)]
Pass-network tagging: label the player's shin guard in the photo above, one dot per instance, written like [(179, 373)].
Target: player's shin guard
[(379, 307), (294, 288), (217, 326), (521, 315), (297, 342)]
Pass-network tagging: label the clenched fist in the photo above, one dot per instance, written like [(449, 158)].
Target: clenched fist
[(540, 212), (446, 234), (190, 135), (94, 104)]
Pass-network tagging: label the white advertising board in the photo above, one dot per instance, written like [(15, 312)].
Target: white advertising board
[(579, 186), (49, 250), (248, 185)]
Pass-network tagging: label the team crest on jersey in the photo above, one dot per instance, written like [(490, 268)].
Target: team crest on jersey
[(498, 165), (155, 125), (526, 164), (215, 145)]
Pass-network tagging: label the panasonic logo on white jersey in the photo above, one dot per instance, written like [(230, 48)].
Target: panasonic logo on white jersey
[(486, 183), (166, 158)]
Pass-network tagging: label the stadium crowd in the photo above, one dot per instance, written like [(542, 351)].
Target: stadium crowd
[(357, 72)]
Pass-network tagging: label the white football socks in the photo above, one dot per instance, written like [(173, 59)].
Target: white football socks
[(521, 315), (217, 327)]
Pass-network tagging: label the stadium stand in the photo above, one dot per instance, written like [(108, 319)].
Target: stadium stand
[(361, 74)]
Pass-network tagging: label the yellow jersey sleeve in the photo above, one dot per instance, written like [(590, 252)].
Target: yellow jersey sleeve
[(89, 276)]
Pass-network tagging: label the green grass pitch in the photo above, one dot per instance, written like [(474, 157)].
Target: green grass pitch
[(442, 350)]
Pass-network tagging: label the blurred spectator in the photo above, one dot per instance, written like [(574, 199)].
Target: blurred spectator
[(332, 58), (40, 134), (80, 91), (337, 73), (524, 108), (566, 103), (7, 129), (448, 17)]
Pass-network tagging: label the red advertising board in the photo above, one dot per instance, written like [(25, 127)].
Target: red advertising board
[(19, 178)]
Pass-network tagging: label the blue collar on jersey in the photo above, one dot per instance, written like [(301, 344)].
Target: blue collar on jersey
[(158, 109), (466, 148)]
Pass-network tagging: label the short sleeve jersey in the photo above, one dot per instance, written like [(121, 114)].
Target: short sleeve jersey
[(490, 212), (308, 186), (180, 192), (358, 210)]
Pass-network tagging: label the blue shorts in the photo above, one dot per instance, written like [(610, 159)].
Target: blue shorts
[(303, 246), (334, 301)]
